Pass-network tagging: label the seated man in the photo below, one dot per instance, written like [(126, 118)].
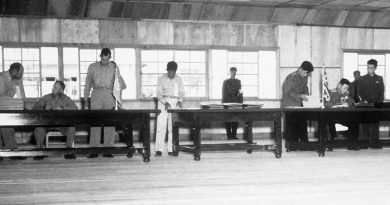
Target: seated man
[(56, 100), (339, 98)]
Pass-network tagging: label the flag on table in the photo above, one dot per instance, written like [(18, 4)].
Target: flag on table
[(117, 90), (325, 89)]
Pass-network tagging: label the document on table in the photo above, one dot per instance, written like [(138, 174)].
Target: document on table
[(313, 102)]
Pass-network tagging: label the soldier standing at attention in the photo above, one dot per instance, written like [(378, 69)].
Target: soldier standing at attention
[(371, 89), (231, 93), (295, 91)]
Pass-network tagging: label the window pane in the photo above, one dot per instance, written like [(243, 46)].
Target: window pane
[(267, 74), (198, 56), (149, 56), (235, 57), (71, 72), (148, 91), (164, 56), (125, 59), (350, 64), (1, 59), (12, 55), (182, 56)]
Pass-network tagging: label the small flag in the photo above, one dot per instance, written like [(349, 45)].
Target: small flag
[(325, 89), (117, 91)]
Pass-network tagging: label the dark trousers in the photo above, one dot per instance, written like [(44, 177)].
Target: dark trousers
[(370, 132), (297, 131), (352, 133), (231, 129)]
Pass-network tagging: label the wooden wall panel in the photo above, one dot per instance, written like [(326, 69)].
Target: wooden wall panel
[(192, 33), (357, 18), (302, 44), (30, 30), (357, 38), (286, 42), (50, 30), (79, 31), (288, 15), (117, 32), (10, 29), (326, 47), (99, 9), (154, 32), (381, 39), (261, 35), (227, 34), (253, 14)]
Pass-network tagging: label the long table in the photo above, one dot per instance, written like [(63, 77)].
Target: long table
[(66, 118), (327, 115), (199, 118)]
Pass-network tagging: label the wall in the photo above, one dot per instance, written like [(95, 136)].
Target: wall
[(323, 46)]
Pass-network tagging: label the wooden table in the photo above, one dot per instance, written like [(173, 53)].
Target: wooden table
[(327, 115), (74, 118), (199, 118)]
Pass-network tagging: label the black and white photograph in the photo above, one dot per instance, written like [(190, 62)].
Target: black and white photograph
[(176, 102)]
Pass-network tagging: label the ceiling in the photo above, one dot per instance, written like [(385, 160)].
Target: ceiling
[(348, 13)]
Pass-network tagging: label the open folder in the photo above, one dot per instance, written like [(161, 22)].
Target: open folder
[(313, 102)]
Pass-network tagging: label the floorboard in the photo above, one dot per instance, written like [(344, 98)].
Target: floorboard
[(341, 177)]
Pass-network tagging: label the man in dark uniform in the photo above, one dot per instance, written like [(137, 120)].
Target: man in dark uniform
[(295, 91), (231, 93), (371, 90), (353, 87), (339, 97)]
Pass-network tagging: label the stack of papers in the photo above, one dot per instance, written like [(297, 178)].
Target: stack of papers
[(205, 105), (233, 105), (253, 106)]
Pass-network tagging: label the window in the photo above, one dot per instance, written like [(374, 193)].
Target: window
[(256, 70), (191, 68), (77, 61), (358, 61)]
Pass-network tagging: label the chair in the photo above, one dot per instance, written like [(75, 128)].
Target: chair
[(50, 134)]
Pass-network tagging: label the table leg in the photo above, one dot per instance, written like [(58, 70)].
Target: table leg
[(197, 139), (278, 136), (128, 132), (249, 135), (175, 139), (145, 133)]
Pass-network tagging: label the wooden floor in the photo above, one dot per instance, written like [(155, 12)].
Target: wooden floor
[(341, 177)]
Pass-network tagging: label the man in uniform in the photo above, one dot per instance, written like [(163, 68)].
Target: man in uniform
[(100, 78), (231, 93), (339, 97), (371, 90), (11, 85), (295, 91), (170, 92), (56, 100), (353, 87)]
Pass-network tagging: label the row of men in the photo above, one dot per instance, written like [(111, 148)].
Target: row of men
[(101, 78), (366, 89), (170, 92)]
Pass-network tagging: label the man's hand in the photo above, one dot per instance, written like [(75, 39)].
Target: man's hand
[(58, 108), (86, 105), (179, 105), (304, 97), (167, 105)]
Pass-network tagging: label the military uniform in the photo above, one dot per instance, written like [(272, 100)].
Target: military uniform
[(371, 89), (335, 99), (293, 87), (231, 94), (49, 102), (353, 91), (100, 77), (8, 89)]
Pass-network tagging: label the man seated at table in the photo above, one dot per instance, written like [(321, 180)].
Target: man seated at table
[(339, 97), (56, 100)]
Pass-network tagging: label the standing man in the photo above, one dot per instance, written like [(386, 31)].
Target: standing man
[(295, 91), (56, 100), (338, 97), (170, 92), (371, 89), (100, 78), (353, 87), (11, 85), (232, 93)]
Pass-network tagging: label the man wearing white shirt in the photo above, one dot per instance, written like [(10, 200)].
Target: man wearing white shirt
[(170, 93), (11, 86)]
